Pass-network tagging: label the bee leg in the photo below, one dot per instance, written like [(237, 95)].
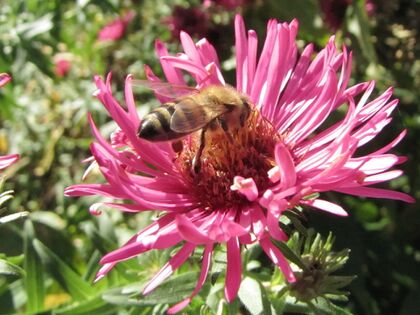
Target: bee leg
[(196, 164), (225, 128)]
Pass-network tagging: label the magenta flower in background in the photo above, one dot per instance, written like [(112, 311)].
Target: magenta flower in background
[(6, 160), (61, 67), (334, 11), (228, 4), (192, 20), (281, 158), (4, 79), (115, 29)]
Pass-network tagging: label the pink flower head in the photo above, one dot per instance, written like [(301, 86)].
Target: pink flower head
[(334, 11), (4, 79), (228, 4), (115, 29), (192, 20), (282, 156), (62, 67), (6, 160)]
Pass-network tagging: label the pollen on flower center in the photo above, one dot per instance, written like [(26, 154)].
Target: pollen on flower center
[(249, 155)]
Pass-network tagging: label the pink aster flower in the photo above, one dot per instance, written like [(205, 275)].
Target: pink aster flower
[(193, 20), (282, 157), (4, 79), (115, 29), (335, 10), (6, 160), (228, 4), (62, 67)]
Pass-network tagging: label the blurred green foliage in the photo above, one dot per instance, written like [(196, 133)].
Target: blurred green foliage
[(49, 258)]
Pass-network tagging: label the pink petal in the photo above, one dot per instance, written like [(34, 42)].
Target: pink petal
[(377, 193), (190, 232), (129, 100), (174, 263), (286, 166), (252, 59), (207, 53), (274, 211), (4, 79), (7, 160), (189, 47), (246, 187), (277, 257), (103, 271), (205, 267), (172, 74), (241, 46), (186, 65), (326, 206), (234, 269)]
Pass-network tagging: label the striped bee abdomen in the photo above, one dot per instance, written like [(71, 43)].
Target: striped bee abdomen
[(156, 125)]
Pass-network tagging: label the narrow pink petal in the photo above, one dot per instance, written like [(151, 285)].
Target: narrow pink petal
[(377, 193), (233, 270), (277, 257), (7, 160), (259, 220), (318, 111), (372, 164), (286, 166), (125, 207), (160, 241), (245, 219), (282, 110), (186, 65), (190, 232), (274, 210), (4, 79), (326, 206), (245, 186), (263, 62), (174, 263), (207, 52), (93, 189), (129, 100), (205, 267), (251, 59), (103, 271), (153, 78), (190, 48), (172, 74), (241, 46), (392, 144), (382, 177)]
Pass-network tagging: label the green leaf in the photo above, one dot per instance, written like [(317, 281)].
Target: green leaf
[(95, 306), (325, 307), (13, 216), (290, 255), (9, 269), (34, 280), (253, 296), (170, 292), (63, 274)]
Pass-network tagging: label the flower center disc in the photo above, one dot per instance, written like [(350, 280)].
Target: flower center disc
[(250, 155)]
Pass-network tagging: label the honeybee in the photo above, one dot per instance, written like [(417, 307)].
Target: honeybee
[(205, 110)]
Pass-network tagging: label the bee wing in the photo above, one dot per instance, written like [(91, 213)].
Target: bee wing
[(165, 88), (190, 116)]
